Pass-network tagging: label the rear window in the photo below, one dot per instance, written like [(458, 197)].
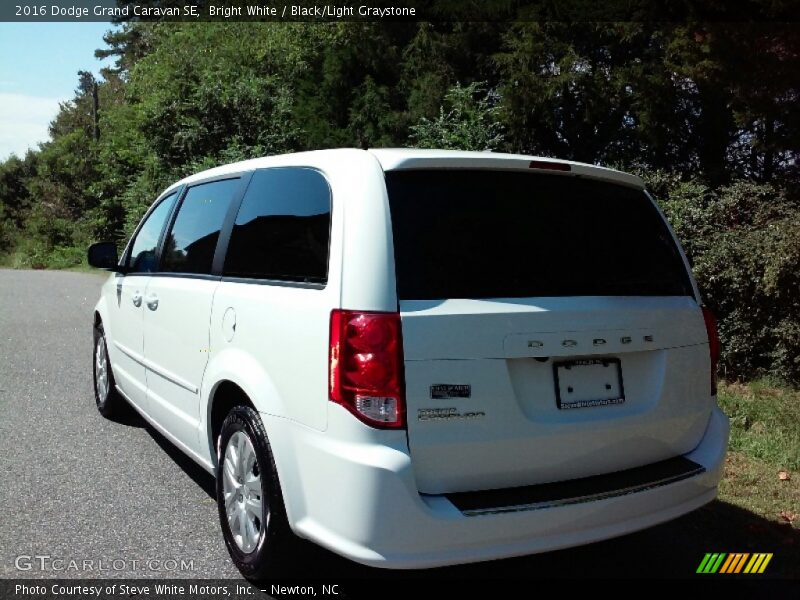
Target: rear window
[(503, 234), (282, 228)]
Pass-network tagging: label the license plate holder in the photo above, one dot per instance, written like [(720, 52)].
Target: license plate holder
[(588, 383)]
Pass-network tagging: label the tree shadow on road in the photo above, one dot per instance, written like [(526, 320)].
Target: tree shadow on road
[(125, 414), (128, 417), (195, 472)]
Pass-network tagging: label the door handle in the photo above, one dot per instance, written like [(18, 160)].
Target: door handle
[(137, 299), (152, 302)]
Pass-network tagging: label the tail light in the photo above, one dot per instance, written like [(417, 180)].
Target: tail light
[(713, 345), (366, 366)]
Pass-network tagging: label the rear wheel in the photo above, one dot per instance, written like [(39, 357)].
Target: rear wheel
[(109, 402), (249, 498)]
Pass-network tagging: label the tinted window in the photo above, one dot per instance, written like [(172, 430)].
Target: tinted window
[(494, 234), (193, 238), (143, 252), (282, 228)]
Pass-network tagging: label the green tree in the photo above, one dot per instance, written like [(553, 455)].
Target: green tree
[(468, 120), (15, 197)]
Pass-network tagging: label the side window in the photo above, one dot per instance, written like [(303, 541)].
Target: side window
[(143, 251), (282, 229), (192, 240)]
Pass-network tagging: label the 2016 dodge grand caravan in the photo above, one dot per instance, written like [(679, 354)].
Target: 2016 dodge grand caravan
[(417, 357)]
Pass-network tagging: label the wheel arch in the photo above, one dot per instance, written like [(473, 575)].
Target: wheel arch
[(223, 396), (232, 373)]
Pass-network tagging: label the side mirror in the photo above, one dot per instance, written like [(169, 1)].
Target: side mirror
[(103, 255)]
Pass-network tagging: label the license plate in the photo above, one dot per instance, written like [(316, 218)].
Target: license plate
[(588, 383)]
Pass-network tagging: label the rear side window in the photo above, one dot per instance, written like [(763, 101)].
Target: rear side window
[(190, 245), (282, 229), (143, 251), (503, 234)]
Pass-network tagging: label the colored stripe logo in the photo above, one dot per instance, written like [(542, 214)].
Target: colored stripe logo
[(736, 562)]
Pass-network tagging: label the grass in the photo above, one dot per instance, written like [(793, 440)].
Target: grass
[(762, 471), (58, 258), (62, 259), (765, 421), (84, 268)]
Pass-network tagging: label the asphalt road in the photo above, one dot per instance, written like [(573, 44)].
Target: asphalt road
[(74, 486)]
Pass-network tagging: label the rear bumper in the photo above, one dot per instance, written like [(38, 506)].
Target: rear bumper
[(359, 500)]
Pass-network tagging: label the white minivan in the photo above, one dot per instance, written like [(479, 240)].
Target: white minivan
[(417, 357)]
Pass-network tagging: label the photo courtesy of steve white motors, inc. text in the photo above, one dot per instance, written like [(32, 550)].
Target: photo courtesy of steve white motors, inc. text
[(144, 588), (139, 588)]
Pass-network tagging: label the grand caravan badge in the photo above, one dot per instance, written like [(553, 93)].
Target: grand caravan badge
[(447, 414)]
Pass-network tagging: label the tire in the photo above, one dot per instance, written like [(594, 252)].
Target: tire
[(109, 402), (261, 543)]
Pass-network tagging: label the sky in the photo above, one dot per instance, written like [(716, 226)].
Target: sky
[(39, 64)]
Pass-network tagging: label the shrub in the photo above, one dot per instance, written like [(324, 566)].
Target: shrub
[(744, 243), (468, 120)]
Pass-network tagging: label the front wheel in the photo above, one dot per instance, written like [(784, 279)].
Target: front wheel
[(108, 400), (249, 498)]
